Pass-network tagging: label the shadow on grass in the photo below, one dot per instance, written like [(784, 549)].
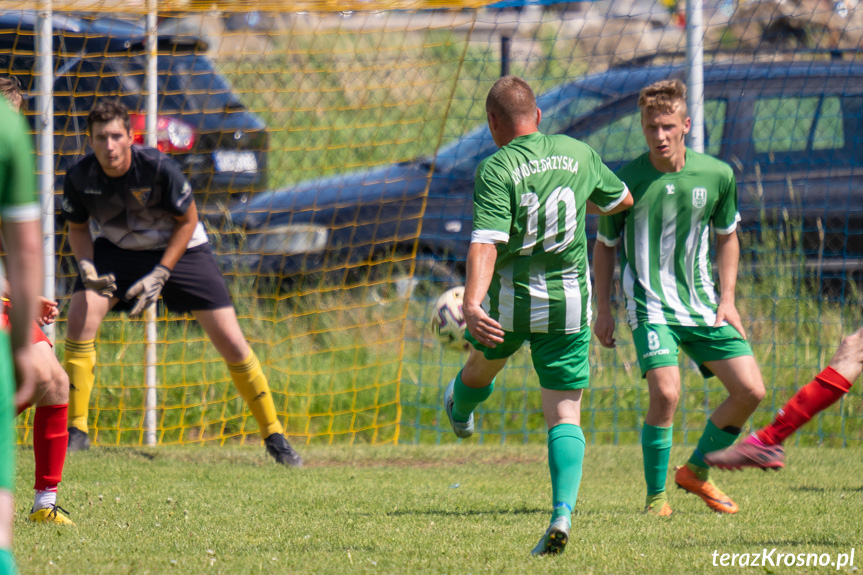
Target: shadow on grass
[(451, 513)]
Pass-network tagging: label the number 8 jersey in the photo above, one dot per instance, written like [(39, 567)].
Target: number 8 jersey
[(529, 200)]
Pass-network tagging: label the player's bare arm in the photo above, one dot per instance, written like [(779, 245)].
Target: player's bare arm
[(80, 241), (23, 257), (480, 269), (727, 260), (603, 275)]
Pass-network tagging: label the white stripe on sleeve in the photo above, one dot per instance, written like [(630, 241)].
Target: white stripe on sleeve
[(730, 229), (488, 237), (608, 241), (616, 202), (25, 213)]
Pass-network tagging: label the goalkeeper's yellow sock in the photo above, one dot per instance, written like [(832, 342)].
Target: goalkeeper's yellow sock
[(253, 387), (80, 365)]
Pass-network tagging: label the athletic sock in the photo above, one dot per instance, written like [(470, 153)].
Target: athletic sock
[(50, 438), (80, 364), (465, 399), (44, 499), (656, 450), (713, 439), (565, 458), (814, 397), (253, 387), (7, 562), (656, 500)]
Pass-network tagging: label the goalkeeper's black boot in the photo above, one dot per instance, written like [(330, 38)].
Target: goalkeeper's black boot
[(281, 450), (78, 440)]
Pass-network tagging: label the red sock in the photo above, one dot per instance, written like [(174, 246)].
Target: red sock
[(49, 445), (814, 397)]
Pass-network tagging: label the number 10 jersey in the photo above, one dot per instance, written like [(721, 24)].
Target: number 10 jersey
[(530, 200)]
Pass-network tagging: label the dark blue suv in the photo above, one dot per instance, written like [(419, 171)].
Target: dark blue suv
[(220, 145), (792, 131)]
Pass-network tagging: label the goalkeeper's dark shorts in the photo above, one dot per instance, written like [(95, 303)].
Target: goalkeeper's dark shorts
[(196, 284)]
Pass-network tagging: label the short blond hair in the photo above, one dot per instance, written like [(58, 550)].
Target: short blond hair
[(665, 97), (511, 100)]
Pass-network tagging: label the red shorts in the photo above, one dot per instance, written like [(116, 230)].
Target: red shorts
[(37, 335)]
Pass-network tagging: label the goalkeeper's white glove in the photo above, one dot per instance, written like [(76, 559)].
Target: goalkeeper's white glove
[(104, 284), (147, 289)]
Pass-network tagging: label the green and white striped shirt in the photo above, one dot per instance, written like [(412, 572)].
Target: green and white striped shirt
[(530, 199), (666, 272)]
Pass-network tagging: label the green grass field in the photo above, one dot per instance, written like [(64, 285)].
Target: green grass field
[(429, 509)]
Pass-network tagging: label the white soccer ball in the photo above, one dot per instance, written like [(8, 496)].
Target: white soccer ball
[(448, 319)]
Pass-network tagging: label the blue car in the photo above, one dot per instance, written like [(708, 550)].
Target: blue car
[(790, 130), (202, 124)]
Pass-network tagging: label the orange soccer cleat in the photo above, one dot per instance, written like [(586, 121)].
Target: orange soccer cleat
[(686, 479), (657, 510)]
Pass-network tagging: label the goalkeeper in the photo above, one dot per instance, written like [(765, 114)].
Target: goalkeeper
[(148, 242), (528, 255)]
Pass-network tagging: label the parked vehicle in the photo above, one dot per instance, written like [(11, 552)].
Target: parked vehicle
[(202, 124), (791, 131)]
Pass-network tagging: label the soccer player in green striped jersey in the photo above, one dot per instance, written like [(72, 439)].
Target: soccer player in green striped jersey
[(671, 302), (528, 280), (22, 240)]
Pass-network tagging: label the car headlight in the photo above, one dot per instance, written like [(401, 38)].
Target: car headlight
[(290, 239)]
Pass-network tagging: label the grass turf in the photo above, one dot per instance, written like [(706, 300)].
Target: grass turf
[(419, 509)]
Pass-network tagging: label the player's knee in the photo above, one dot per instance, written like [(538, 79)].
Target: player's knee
[(667, 398), (750, 394), (61, 386)]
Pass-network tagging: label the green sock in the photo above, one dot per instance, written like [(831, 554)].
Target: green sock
[(465, 399), (656, 500), (7, 563), (565, 457), (713, 439), (656, 449)]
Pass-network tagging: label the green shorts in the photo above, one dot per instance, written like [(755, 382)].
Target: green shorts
[(7, 415), (560, 359), (657, 345)]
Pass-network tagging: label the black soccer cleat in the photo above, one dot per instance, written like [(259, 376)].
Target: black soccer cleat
[(281, 450), (78, 440)]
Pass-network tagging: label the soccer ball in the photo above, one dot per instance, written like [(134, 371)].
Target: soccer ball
[(448, 319)]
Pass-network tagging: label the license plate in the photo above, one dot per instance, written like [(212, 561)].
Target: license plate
[(234, 161)]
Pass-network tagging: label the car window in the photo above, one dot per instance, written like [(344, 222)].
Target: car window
[(560, 108), (620, 140), (829, 130), (556, 119), (786, 124), (187, 83), (783, 124), (714, 125), (802, 130)]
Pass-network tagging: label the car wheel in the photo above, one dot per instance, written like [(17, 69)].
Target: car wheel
[(431, 276)]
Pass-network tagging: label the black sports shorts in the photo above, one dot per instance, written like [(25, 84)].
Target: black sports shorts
[(196, 284)]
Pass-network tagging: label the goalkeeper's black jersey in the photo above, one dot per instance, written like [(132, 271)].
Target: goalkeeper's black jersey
[(135, 211)]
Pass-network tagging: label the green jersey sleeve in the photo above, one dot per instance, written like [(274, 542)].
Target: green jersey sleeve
[(18, 200), (610, 228), (725, 214), (492, 209), (608, 191)]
